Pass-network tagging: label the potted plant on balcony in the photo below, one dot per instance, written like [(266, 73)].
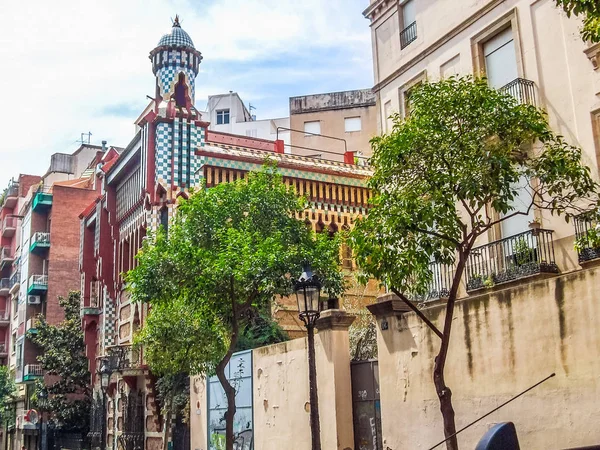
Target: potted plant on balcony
[(535, 224), (589, 242), (524, 254)]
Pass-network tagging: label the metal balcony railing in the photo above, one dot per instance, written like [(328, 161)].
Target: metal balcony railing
[(511, 258), (124, 357), (38, 280), (587, 238), (440, 284), (4, 284), (522, 90), (6, 255), (3, 348), (408, 35), (41, 237), (15, 278), (13, 189), (32, 371), (4, 315)]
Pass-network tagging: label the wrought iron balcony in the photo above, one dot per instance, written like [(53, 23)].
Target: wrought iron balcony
[(408, 35), (14, 281), (511, 258), (522, 90), (587, 238), (12, 194), (9, 226), (40, 242), (3, 348), (439, 287), (6, 257), (32, 372), (124, 358), (38, 284)]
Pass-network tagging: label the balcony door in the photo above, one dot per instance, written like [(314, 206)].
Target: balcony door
[(519, 223), (500, 59)]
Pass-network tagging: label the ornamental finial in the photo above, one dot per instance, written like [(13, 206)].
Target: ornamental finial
[(176, 21)]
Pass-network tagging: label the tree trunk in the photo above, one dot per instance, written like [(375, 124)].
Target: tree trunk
[(167, 414), (443, 392), (220, 371)]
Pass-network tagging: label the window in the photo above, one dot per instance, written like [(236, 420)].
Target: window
[(500, 59), (352, 124), (406, 99), (223, 117), (517, 224), (409, 24), (450, 67), (311, 128)]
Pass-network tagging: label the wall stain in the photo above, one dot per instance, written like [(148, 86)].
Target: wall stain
[(505, 301), (465, 311), (559, 298)]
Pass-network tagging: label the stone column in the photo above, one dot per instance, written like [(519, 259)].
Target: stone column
[(333, 379)]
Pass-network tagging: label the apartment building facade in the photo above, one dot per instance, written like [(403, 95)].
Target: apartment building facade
[(531, 50), (334, 125), (44, 259)]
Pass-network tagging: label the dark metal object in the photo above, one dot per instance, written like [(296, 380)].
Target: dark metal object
[(511, 258), (494, 410), (408, 35), (123, 357), (366, 406), (502, 436), (132, 436), (439, 286), (308, 290), (522, 90), (583, 225)]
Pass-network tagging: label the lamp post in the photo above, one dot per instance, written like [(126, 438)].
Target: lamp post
[(42, 397), (308, 291), (105, 372)]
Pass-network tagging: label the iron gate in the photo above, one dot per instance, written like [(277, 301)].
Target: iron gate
[(181, 434), (132, 437), (365, 405)]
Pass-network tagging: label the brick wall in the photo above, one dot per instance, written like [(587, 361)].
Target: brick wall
[(63, 266)]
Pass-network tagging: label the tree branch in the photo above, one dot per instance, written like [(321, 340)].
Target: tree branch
[(417, 311), (437, 235)]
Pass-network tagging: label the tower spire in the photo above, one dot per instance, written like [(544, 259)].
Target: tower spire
[(176, 21)]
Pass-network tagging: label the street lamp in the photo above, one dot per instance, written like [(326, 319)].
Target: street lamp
[(105, 372), (42, 397), (308, 291)]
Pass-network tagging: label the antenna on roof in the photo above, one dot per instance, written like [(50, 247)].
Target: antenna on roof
[(250, 108), (85, 140)]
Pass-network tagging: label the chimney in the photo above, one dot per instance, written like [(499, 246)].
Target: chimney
[(103, 146)]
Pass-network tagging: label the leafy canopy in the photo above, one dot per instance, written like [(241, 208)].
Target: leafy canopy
[(228, 253), (8, 392), (590, 10), (450, 172), (63, 356)]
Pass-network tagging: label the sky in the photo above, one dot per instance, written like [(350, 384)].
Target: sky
[(73, 67)]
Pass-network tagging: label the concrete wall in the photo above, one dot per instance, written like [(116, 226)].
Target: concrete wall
[(281, 395), (502, 343), (331, 110)]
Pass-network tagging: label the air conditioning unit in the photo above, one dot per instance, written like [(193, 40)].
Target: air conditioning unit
[(33, 300)]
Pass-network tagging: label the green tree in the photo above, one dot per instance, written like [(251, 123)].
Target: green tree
[(173, 392), (7, 392), (589, 10), (63, 359), (229, 252), (447, 175)]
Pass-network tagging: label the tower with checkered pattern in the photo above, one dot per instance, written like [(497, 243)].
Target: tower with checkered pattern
[(175, 63), (176, 130)]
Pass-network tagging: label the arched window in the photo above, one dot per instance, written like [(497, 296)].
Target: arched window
[(164, 219), (181, 91)]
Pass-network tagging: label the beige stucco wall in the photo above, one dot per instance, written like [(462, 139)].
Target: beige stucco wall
[(502, 343), (332, 124), (281, 393)]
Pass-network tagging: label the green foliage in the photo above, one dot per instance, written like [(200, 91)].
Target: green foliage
[(259, 329), (173, 393), (8, 391), (65, 365), (229, 251), (589, 10), (439, 173), (590, 239)]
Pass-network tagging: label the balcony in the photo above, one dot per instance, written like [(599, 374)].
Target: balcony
[(439, 287), (40, 242), (42, 201), (522, 90), (30, 326), (408, 35), (4, 318), (12, 195), (125, 358), (523, 255), (4, 287), (38, 284), (14, 282), (7, 257), (587, 239), (32, 372), (3, 349), (9, 226)]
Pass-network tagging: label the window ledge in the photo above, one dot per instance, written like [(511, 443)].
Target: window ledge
[(593, 54)]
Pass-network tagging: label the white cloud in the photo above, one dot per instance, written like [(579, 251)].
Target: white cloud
[(65, 63)]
